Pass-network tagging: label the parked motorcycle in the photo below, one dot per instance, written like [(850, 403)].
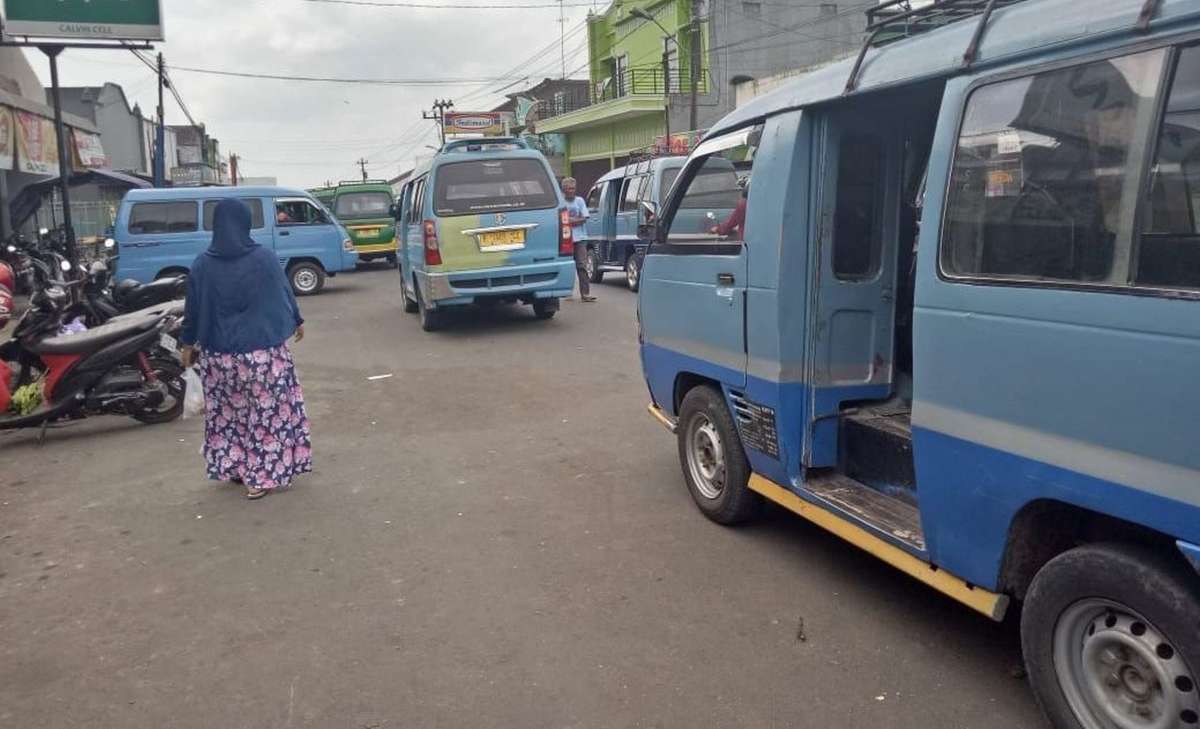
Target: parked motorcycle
[(127, 366), (105, 300)]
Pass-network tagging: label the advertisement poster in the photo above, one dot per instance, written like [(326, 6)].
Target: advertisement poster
[(488, 123), (37, 150), (138, 20), (8, 143), (89, 152)]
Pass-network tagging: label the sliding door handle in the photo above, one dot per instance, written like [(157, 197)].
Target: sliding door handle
[(725, 279)]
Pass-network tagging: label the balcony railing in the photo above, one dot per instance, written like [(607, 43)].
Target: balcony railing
[(632, 82)]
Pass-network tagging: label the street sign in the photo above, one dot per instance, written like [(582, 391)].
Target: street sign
[(488, 123), (108, 20)]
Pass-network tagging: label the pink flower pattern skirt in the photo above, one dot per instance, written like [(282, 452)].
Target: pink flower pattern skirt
[(255, 427)]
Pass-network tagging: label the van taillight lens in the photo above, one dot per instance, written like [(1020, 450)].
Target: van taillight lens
[(433, 255), (566, 244)]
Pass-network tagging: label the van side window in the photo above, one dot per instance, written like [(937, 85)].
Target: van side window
[(857, 221), (1169, 247), (713, 203), (418, 201), (593, 198), (256, 212), (298, 212), (632, 193), (1046, 176), (163, 217)]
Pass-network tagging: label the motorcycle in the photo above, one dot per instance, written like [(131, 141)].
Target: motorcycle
[(127, 366), (104, 301)]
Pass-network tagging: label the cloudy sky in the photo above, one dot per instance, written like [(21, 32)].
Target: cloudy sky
[(306, 133)]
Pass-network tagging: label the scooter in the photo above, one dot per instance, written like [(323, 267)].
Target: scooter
[(104, 301), (117, 368)]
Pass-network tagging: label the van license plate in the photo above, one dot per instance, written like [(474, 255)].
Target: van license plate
[(168, 342), (501, 239)]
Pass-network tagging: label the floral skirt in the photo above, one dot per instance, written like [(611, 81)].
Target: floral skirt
[(255, 427)]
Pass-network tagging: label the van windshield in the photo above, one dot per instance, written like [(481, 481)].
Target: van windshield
[(715, 186), (491, 185), (352, 205)]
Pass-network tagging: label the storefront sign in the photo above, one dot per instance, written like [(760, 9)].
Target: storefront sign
[(8, 140), (488, 123), (84, 19), (37, 148), (680, 144), (89, 152)]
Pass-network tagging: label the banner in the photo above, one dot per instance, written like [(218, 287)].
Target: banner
[(37, 149), (84, 19), (8, 140), (89, 152), (488, 123)]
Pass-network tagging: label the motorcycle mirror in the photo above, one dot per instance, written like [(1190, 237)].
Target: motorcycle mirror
[(12, 249), (43, 231), (109, 243), (65, 266)]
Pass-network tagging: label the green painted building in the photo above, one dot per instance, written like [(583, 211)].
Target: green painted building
[(629, 85)]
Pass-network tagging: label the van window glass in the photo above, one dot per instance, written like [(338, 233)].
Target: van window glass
[(1046, 174), (256, 212), (593, 198), (857, 218), (418, 208), (298, 212), (712, 206), (492, 185), (1169, 247), (353, 205), (632, 193), (163, 217)]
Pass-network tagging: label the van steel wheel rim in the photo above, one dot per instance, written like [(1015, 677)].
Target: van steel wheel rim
[(631, 270), (706, 457), (1118, 671), (305, 280), (589, 266)]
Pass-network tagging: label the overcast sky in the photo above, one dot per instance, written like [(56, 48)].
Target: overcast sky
[(306, 133)]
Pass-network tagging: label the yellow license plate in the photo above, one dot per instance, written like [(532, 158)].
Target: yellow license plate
[(501, 238)]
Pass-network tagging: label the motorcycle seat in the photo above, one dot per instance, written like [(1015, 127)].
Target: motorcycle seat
[(97, 337), (167, 308), (131, 293)]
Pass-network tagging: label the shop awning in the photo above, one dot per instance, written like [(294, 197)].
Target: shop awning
[(25, 204), (28, 142)]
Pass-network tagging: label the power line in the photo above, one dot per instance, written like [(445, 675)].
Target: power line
[(334, 80)]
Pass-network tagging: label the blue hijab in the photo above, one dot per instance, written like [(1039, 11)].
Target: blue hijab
[(238, 298)]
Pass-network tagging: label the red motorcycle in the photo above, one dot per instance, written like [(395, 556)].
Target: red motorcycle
[(127, 366)]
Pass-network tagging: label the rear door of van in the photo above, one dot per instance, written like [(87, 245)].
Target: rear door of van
[(494, 212), (161, 237)]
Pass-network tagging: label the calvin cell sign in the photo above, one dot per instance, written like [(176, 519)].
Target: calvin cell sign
[(139, 20)]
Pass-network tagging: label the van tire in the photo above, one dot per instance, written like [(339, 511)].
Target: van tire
[(307, 278), (431, 319), (594, 274), (633, 271), (545, 309), (410, 306), (710, 451), (1128, 604)]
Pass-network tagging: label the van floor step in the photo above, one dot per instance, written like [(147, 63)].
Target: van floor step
[(876, 449), (890, 515)]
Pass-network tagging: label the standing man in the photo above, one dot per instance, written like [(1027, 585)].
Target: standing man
[(577, 215)]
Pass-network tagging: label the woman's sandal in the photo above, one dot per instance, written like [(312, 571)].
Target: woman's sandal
[(253, 493)]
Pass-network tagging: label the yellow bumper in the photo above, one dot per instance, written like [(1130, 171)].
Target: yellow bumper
[(389, 247)]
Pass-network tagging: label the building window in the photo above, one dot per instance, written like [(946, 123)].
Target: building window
[(620, 71), (751, 8), (1045, 182)]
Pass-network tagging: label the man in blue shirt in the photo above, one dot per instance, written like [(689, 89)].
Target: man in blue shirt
[(577, 215)]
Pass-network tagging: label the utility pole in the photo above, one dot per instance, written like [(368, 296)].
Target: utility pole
[(697, 62), (562, 38), (362, 163), (233, 168), (666, 67), (60, 133), (160, 134), (438, 114)]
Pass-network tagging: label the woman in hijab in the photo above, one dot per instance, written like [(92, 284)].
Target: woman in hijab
[(239, 314)]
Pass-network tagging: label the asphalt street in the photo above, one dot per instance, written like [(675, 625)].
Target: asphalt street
[(496, 535)]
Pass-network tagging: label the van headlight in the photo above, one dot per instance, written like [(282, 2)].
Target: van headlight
[(347, 245)]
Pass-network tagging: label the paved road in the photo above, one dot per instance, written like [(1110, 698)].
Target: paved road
[(496, 536)]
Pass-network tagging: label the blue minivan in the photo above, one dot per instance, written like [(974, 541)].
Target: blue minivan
[(628, 197), (159, 232), (483, 221)]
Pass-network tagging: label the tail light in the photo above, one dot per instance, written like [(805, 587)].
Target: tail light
[(566, 244), (347, 245), (433, 255)]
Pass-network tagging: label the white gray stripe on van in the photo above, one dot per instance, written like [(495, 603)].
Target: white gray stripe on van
[(1168, 480)]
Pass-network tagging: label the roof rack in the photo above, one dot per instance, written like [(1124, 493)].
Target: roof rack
[(896, 19), (475, 144), (361, 182)]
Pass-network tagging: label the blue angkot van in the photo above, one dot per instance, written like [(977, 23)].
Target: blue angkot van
[(159, 232), (960, 328), (482, 221)]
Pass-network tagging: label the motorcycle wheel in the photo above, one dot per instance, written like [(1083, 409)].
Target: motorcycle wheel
[(170, 375)]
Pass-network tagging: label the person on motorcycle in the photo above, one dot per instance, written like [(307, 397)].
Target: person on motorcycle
[(239, 314)]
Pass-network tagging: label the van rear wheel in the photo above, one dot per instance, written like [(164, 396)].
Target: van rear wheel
[(592, 268), (545, 308), (714, 463), (633, 271), (431, 319), (306, 278), (1110, 639)]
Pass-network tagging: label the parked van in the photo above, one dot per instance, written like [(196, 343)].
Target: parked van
[(366, 209), (629, 196), (159, 232), (483, 221), (959, 327)]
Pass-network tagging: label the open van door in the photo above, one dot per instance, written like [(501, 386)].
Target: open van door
[(693, 296), (853, 280)]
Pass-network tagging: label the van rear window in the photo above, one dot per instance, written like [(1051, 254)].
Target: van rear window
[(352, 205), (163, 217), (491, 185)]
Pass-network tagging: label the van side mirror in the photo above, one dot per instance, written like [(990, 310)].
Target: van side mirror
[(649, 211), (393, 211)]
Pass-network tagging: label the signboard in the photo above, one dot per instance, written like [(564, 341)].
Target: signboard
[(8, 140), (37, 148), (89, 152), (487, 123), (84, 19)]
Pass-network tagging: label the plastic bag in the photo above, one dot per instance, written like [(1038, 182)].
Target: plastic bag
[(193, 394)]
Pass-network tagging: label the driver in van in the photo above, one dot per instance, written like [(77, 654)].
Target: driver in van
[(733, 224)]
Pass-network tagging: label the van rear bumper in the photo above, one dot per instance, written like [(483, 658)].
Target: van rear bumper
[(538, 281)]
